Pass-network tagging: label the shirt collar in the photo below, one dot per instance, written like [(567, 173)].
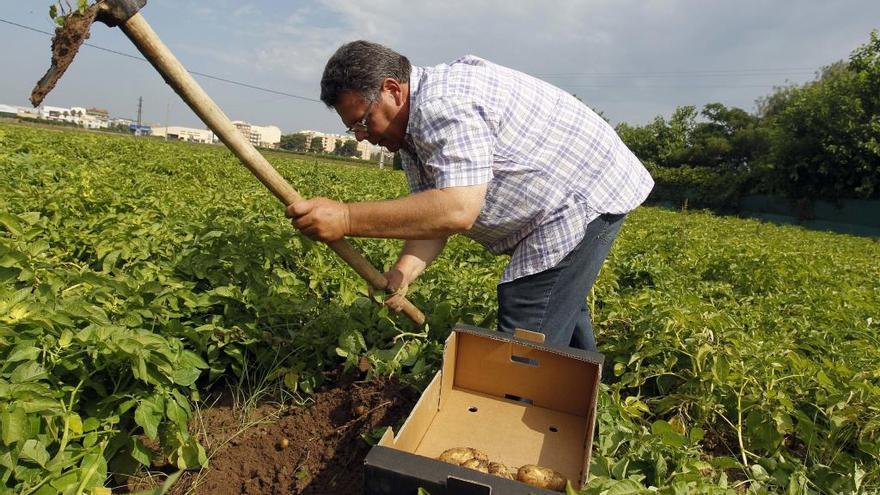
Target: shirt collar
[(415, 77)]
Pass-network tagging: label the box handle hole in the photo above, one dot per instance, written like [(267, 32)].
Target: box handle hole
[(554, 429), (524, 360), (518, 398), (473, 409)]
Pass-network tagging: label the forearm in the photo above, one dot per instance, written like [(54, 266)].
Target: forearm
[(417, 255), (432, 214)]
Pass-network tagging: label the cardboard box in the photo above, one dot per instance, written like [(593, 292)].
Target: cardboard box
[(511, 396)]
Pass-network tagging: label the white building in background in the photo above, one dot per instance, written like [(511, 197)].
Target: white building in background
[(262, 136), (98, 117), (90, 118), (329, 142), (185, 134), (58, 114), (10, 109), (365, 150), (121, 122), (270, 136), (28, 113)]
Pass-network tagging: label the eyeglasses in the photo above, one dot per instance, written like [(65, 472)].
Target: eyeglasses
[(361, 125)]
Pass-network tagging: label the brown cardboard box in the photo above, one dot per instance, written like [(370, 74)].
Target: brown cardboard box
[(513, 397)]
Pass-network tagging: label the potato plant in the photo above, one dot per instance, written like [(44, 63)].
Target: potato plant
[(136, 274)]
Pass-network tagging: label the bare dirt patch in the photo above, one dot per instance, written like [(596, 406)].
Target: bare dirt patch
[(316, 449)]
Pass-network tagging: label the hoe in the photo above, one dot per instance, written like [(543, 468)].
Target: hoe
[(125, 14)]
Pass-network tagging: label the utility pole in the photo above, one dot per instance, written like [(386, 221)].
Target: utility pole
[(167, 112), (137, 131)]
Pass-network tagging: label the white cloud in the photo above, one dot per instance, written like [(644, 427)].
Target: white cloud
[(284, 45), (586, 37), (246, 10)]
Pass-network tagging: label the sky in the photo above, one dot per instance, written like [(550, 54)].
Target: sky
[(633, 60)]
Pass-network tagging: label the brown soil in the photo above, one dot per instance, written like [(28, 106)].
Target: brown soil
[(324, 448), (720, 442), (65, 45)]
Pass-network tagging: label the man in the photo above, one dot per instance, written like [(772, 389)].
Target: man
[(508, 160)]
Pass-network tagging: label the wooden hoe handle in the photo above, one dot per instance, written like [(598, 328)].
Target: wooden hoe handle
[(147, 41)]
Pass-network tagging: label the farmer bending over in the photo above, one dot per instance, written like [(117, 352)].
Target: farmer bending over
[(516, 164)]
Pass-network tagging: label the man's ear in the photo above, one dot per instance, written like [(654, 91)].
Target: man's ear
[(393, 87)]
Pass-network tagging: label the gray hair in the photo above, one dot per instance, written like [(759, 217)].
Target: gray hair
[(361, 66)]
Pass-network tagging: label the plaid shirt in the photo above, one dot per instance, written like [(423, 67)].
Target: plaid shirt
[(552, 165)]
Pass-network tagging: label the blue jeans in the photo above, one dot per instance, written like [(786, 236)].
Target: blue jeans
[(554, 302)]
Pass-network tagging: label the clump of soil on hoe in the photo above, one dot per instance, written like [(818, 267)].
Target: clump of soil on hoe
[(65, 44), (316, 449)]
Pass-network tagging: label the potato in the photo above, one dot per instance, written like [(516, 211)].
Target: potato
[(477, 464), (479, 455), (541, 477), (501, 470), (460, 455)]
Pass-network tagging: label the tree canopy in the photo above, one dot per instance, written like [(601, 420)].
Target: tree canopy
[(819, 140)]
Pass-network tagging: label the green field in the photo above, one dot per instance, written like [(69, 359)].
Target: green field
[(741, 356)]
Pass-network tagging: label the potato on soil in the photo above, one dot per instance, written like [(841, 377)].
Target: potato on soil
[(501, 470), (364, 364), (541, 477), (460, 455)]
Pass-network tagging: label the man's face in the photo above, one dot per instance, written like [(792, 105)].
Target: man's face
[(384, 120)]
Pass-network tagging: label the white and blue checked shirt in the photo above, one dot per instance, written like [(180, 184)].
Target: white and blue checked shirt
[(552, 164)]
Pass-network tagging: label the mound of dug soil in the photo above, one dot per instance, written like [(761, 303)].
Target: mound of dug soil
[(316, 449)]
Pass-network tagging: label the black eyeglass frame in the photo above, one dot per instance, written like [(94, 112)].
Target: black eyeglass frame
[(361, 125)]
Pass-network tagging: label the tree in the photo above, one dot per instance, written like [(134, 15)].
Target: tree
[(294, 142), (826, 133), (643, 141), (317, 144), (348, 148), (662, 143), (729, 139), (678, 138)]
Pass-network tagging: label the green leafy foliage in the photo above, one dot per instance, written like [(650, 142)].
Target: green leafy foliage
[(819, 140), (133, 274), (827, 132), (136, 273), (59, 10), (721, 338), (347, 148), (294, 142)]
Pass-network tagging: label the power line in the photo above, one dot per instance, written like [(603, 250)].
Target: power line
[(202, 74), (682, 73), (644, 74), (665, 86)]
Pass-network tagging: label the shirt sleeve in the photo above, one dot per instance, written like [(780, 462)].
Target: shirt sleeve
[(414, 175), (455, 141)]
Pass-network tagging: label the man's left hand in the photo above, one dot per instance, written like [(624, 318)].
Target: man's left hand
[(321, 219)]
